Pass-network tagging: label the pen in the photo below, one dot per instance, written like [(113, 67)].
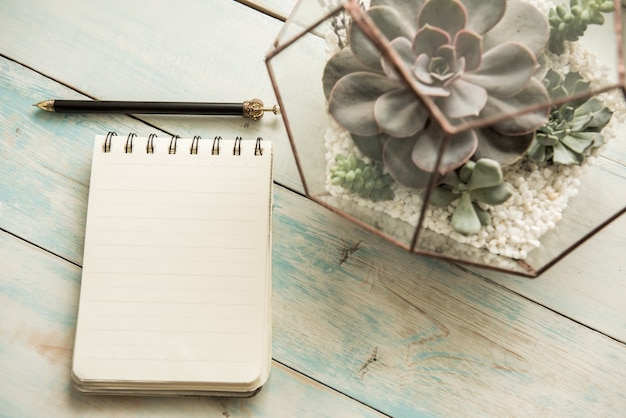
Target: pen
[(251, 109)]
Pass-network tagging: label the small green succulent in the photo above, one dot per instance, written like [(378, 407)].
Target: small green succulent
[(476, 182), (357, 176), (570, 23), (574, 128)]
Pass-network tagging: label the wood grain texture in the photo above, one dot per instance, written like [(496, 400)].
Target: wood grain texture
[(413, 335), (38, 303), (589, 283)]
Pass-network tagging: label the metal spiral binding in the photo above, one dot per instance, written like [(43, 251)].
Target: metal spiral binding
[(106, 146), (150, 144), (128, 148), (215, 149), (173, 141), (258, 148), (194, 144), (237, 147)]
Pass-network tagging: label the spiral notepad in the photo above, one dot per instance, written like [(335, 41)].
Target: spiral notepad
[(176, 281)]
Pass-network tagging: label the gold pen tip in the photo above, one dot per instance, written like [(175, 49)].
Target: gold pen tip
[(47, 105)]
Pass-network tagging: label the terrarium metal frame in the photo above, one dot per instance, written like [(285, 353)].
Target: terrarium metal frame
[(358, 16)]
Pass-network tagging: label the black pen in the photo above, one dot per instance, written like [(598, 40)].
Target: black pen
[(251, 109)]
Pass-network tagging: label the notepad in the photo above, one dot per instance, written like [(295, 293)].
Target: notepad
[(175, 293)]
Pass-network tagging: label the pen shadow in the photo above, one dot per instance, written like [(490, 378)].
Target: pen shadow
[(211, 126)]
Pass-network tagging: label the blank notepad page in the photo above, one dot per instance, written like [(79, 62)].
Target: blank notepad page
[(177, 264)]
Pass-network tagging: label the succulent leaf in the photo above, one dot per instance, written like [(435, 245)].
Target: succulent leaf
[(370, 146), (353, 98), (580, 142), (493, 195), (449, 15), (537, 153), (504, 70), (340, 64), (465, 220), (533, 92), (485, 14), (398, 162), (468, 46), (442, 196), (403, 48), (574, 83), (502, 148), (485, 173), (563, 155), (521, 23), (409, 10), (465, 99), (465, 174), (459, 149), (391, 25), (429, 39), (399, 113), (452, 179), (600, 114), (483, 215)]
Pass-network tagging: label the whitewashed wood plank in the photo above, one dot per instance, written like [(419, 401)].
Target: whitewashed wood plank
[(38, 303), (420, 336), (182, 51)]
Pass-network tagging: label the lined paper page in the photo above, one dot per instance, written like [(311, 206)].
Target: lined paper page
[(175, 284)]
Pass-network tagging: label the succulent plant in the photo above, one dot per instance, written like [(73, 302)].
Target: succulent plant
[(568, 23), (473, 58), (356, 176), (476, 182), (574, 128)]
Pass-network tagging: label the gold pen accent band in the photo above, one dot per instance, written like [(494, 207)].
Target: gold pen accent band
[(253, 109)]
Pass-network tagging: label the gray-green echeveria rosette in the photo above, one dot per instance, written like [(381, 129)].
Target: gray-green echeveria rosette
[(574, 128), (473, 58)]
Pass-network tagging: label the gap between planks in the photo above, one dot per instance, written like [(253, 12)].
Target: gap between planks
[(523, 296)]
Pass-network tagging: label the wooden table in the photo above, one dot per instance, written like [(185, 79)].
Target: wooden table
[(383, 333)]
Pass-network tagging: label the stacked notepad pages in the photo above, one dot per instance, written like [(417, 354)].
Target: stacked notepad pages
[(176, 285)]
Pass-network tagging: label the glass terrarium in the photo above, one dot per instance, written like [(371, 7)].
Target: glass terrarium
[(485, 132)]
